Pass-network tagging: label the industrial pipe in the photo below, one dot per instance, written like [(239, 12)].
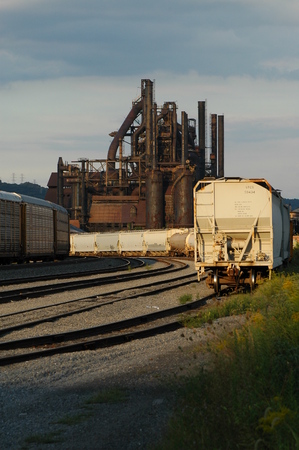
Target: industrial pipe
[(136, 108)]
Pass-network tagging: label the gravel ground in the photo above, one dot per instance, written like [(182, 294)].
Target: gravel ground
[(70, 265), (50, 398)]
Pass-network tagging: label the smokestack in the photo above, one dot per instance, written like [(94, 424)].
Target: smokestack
[(184, 137), (60, 167), (202, 138), (148, 102), (221, 146), (214, 145)]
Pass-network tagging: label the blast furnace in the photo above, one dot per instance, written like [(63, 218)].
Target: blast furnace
[(151, 188)]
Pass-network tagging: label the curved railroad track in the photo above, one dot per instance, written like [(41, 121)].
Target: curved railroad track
[(51, 314), (92, 338), (70, 268), (84, 282)]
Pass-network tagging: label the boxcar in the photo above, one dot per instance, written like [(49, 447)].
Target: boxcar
[(10, 226), (242, 230), (32, 229)]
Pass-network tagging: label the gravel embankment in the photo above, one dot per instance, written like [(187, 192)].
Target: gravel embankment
[(48, 398)]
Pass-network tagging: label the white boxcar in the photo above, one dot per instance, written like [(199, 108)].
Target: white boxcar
[(242, 230)]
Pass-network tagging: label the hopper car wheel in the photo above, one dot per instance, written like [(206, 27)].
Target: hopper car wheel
[(216, 281)]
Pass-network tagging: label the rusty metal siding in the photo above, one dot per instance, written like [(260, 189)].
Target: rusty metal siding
[(122, 210), (105, 213), (183, 204), (154, 200)]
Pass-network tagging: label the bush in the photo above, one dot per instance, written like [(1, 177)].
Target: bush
[(250, 399)]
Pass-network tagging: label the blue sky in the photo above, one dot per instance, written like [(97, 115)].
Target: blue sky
[(71, 68)]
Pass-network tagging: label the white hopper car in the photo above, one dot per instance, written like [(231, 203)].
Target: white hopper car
[(242, 231), (174, 241)]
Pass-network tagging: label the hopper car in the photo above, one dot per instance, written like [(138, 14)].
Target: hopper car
[(242, 231), (32, 229), (166, 242)]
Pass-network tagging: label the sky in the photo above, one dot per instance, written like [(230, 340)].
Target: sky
[(70, 69)]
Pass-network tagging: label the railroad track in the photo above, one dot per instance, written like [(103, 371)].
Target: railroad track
[(60, 272), (50, 289), (92, 304), (88, 303), (101, 336)]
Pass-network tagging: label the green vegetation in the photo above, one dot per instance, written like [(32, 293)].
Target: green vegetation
[(32, 189), (113, 395), (248, 395), (49, 438), (73, 419), (185, 299), (293, 202)]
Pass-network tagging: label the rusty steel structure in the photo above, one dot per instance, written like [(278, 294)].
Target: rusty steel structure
[(152, 187)]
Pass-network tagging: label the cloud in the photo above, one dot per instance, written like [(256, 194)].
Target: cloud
[(285, 65), (226, 38), (8, 5), (72, 118), (70, 70)]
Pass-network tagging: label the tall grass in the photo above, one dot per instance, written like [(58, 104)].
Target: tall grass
[(250, 398)]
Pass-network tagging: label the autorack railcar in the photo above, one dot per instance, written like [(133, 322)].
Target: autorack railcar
[(242, 231), (32, 229)]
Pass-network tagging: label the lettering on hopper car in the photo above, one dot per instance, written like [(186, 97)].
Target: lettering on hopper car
[(249, 189), (243, 208)]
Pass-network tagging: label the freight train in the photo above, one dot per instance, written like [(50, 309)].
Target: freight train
[(166, 242), (242, 231), (32, 229)]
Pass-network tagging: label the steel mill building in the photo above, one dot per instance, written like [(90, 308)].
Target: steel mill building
[(152, 187)]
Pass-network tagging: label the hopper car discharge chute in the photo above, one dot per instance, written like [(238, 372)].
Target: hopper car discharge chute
[(242, 231)]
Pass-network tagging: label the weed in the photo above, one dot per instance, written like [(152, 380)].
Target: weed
[(250, 396), (185, 299), (48, 438), (74, 419), (113, 395)]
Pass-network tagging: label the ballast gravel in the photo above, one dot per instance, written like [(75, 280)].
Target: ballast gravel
[(53, 403)]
